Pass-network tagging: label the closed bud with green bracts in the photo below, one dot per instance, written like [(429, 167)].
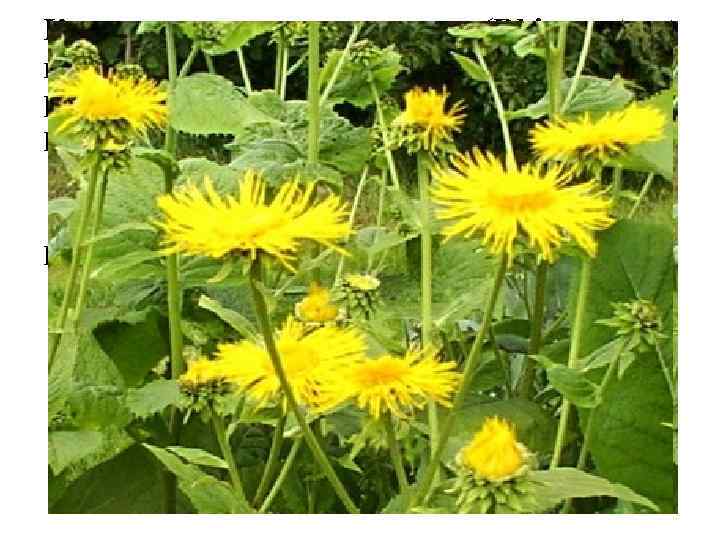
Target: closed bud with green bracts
[(83, 54)]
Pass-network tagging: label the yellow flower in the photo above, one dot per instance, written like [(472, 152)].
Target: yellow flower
[(399, 384), (207, 224), (606, 137), (316, 306), (480, 193), (425, 110), (362, 282), (311, 360), (494, 453), (201, 372), (88, 96)]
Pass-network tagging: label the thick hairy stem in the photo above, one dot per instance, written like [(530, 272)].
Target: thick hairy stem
[(244, 71), (281, 477), (528, 377), (313, 92), (470, 367), (70, 285), (89, 250), (575, 344), (318, 454), (351, 219), (395, 454), (580, 66), (384, 134), (222, 439)]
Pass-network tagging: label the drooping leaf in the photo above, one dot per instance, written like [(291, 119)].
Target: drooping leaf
[(239, 34), (565, 483), (153, 397), (490, 35), (207, 494), (239, 322), (471, 67), (571, 383), (628, 444), (198, 456), (592, 95), (207, 104)]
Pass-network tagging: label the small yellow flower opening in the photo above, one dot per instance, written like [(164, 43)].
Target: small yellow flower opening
[(317, 306), (198, 223), (399, 384), (88, 96), (425, 110), (479, 193), (312, 362), (609, 136), (494, 453)]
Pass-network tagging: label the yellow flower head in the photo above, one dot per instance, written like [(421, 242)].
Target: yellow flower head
[(88, 96), (311, 360), (362, 282), (480, 193), (316, 306), (494, 453), (202, 372), (610, 135), (399, 384), (207, 224), (425, 110)]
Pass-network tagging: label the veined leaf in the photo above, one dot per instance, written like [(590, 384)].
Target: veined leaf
[(198, 456), (571, 383), (239, 322), (471, 67), (68, 447), (153, 397)]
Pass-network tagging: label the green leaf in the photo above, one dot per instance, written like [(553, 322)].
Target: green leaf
[(239, 34), (61, 374), (489, 35), (592, 95), (198, 456), (207, 494), (472, 68), (238, 322), (66, 138), (68, 447), (206, 104), (134, 348), (150, 27), (129, 483), (628, 443), (122, 264), (571, 383), (226, 180), (565, 483), (97, 406), (62, 207), (153, 397), (114, 231)]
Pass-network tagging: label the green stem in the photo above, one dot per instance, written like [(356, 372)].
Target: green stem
[(244, 71), (209, 62), (313, 93), (78, 241), (222, 439), (641, 196), (89, 249), (470, 367), (528, 377), (580, 66), (189, 60), (384, 134), (272, 462), (426, 320), (319, 455), (284, 72), (574, 354), (509, 154), (287, 466), (279, 47), (174, 291), (341, 61), (353, 212), (395, 454), (379, 216)]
